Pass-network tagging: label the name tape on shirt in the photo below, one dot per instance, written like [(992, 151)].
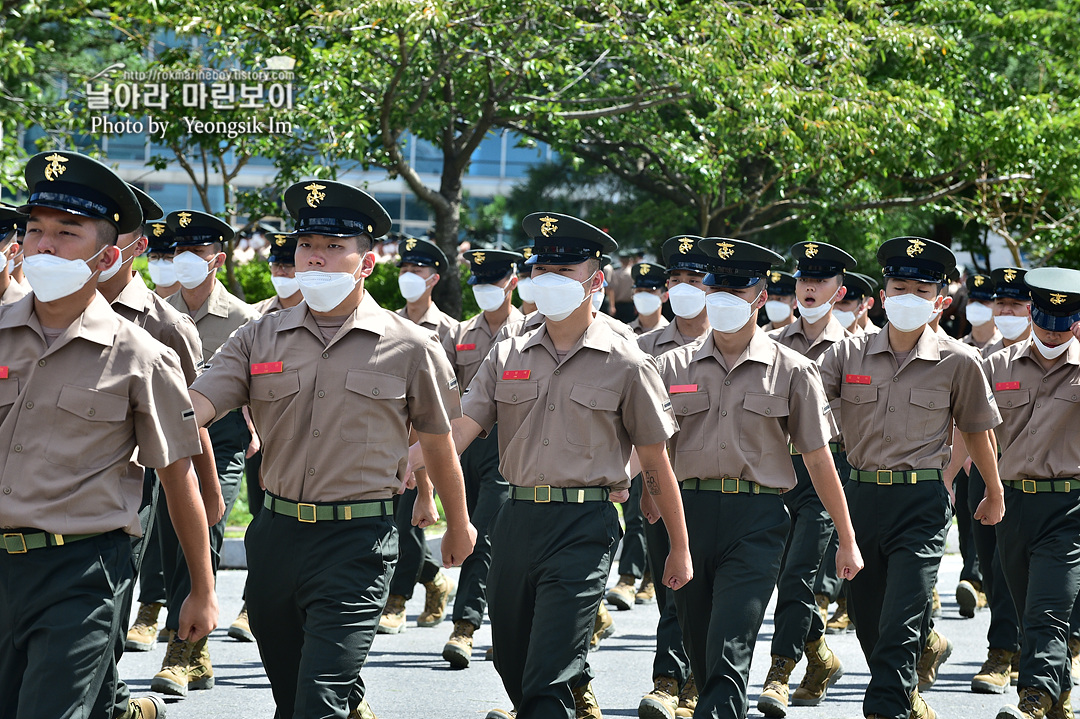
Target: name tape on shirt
[(516, 374), (267, 368), (3, 372), (857, 378), (1006, 385), (465, 348), (682, 388)]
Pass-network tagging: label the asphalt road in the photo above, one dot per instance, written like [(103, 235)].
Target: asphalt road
[(407, 677)]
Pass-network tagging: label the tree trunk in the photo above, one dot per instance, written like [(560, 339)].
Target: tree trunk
[(447, 293)]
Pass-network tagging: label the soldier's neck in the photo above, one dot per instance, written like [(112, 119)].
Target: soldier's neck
[(417, 310), (813, 330), (112, 288), (496, 318), (982, 334), (196, 298), (694, 326), (648, 322)]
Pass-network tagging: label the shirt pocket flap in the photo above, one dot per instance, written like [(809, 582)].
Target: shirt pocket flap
[(93, 405), (9, 391), (857, 393), (1012, 397), (1069, 393), (770, 405), (930, 398), (690, 402), (270, 387), (516, 391), (595, 397), (375, 385)]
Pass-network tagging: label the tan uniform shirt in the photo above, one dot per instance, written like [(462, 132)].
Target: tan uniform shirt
[(659, 341), (217, 318), (72, 414), (635, 325), (270, 304), (334, 418), (731, 422), (434, 319), (993, 347), (900, 418), (1040, 413), (469, 343), (138, 303), (621, 285), (13, 293), (794, 337), (994, 339), (570, 423)]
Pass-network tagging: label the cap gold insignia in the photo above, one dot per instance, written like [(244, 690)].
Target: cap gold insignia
[(315, 194), (685, 246), (185, 219), (979, 280), (478, 258), (810, 249), (775, 276), (1010, 275), (725, 250), (549, 226), (54, 169), (644, 270), (116, 217), (280, 240), (1057, 298), (916, 247), (526, 252), (410, 243), (159, 230)]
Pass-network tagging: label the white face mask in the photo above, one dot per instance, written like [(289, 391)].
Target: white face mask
[(978, 314), (597, 300), (1052, 352), (777, 311), (525, 289), (815, 313), (108, 274), (687, 301), (162, 272), (12, 265), (646, 303), (52, 278), (728, 313), (190, 269), (1011, 326), (489, 297), (908, 313), (323, 291), (558, 296), (285, 286), (846, 319), (412, 286)]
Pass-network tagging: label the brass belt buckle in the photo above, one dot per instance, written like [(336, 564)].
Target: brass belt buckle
[(22, 541), (536, 494), (300, 507), (884, 471), (724, 485), (1025, 483)]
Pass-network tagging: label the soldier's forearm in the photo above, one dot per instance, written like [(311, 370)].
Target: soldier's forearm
[(189, 519), (819, 464), (981, 448), (444, 471), (659, 481)]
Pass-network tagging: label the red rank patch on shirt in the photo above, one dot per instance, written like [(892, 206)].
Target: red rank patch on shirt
[(1007, 385), (516, 374), (267, 368), (463, 348), (3, 372), (682, 388), (857, 378)]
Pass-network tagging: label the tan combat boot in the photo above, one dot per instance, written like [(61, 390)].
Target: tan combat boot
[(823, 669), (362, 711), (143, 633), (646, 593), (622, 595), (934, 654), (662, 701), (969, 596), (1033, 704), (1074, 659), (1062, 709), (840, 623), (392, 620), (501, 714), (438, 592), (603, 627), (173, 677), (773, 701), (458, 650), (200, 671), (150, 707), (687, 699), (935, 606), (241, 629), (993, 678), (585, 705), (823, 606), (919, 708)]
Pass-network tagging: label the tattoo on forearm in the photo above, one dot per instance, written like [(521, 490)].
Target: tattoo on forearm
[(651, 481)]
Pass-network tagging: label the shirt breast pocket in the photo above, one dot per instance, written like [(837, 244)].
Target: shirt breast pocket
[(1068, 393), (587, 425), (761, 420), (853, 397), (88, 427), (689, 409), (374, 401), (273, 404), (514, 400), (928, 414), (1012, 398)]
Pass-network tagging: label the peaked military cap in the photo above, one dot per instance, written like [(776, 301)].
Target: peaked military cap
[(736, 263), (151, 210), (325, 207), (954, 274), (781, 283), (916, 258), (606, 261), (564, 240), (859, 286), (20, 227), (8, 216), (414, 251), (1055, 297), (1009, 282), (282, 249), (649, 275), (526, 250), (159, 237), (681, 253), (819, 260), (490, 266), (980, 287), (192, 228), (81, 186)]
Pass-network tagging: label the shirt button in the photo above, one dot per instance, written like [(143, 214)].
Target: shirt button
[(727, 382), (18, 448), (513, 398), (592, 403), (92, 412), (29, 405), (41, 363), (270, 393), (857, 399), (931, 405), (541, 476), (1031, 459), (7, 490), (892, 409), (315, 433), (546, 443), (895, 379), (551, 407), (1044, 380), (1034, 431), (723, 445), (888, 439), (1010, 403), (1039, 404), (558, 371), (326, 355), (375, 392), (768, 411), (311, 472), (321, 394), (723, 413)]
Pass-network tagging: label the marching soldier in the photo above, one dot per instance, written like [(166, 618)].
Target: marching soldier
[(10, 289), (900, 391), (159, 256), (780, 309), (650, 283), (979, 312), (14, 253), (853, 311), (524, 284), (333, 385), (80, 389)]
